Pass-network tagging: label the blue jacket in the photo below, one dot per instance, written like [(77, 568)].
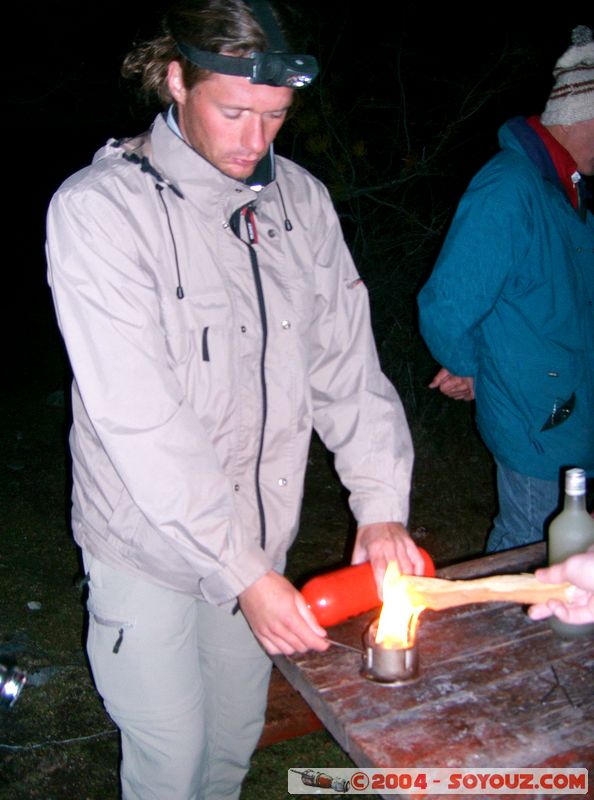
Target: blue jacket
[(510, 303)]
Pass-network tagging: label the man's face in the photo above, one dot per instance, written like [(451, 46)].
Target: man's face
[(228, 120), (579, 141)]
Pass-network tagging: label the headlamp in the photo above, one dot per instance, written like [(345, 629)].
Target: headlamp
[(275, 67), (270, 69)]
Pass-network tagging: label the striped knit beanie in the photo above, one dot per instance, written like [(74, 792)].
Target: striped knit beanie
[(572, 98)]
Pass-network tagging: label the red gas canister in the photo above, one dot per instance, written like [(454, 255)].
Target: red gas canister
[(347, 592)]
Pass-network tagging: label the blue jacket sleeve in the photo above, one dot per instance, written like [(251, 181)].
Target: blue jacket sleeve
[(485, 245)]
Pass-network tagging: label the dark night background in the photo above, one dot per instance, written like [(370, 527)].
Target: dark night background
[(380, 65)]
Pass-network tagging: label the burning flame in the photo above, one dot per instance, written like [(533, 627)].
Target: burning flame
[(398, 620)]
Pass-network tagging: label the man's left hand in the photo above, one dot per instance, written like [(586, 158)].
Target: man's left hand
[(383, 542)]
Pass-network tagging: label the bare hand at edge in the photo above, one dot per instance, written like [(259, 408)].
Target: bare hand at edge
[(455, 386), (279, 617), (579, 571)]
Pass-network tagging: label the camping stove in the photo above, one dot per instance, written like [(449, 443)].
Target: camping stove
[(391, 666)]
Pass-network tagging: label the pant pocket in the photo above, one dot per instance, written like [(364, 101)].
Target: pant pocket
[(118, 626)]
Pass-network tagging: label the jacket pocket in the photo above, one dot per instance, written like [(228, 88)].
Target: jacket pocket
[(545, 392), (191, 323), (538, 394), (212, 325), (209, 375), (548, 390), (205, 352), (560, 412)]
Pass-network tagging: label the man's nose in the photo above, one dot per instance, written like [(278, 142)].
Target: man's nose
[(254, 136)]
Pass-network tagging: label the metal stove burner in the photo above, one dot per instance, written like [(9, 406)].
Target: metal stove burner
[(386, 665)]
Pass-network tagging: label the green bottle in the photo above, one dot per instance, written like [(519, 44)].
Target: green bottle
[(571, 532)]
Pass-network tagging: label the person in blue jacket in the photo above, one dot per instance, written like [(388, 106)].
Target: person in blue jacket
[(508, 311)]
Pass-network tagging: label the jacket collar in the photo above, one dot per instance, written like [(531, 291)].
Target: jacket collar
[(191, 173), (564, 163), (173, 163), (519, 135), (551, 159), (265, 169)]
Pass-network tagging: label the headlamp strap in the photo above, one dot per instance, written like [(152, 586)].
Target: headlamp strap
[(264, 16), (215, 62)]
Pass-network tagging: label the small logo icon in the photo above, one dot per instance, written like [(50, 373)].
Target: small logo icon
[(310, 777)]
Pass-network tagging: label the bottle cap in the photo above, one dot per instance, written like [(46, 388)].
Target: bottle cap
[(575, 481)]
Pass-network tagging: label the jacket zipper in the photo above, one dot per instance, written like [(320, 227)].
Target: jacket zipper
[(247, 212)]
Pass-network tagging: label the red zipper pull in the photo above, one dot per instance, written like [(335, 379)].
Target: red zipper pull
[(250, 224)]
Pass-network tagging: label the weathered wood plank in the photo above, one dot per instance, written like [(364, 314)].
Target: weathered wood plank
[(509, 663), (495, 689), (511, 722)]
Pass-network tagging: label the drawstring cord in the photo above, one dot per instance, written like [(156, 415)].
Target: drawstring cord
[(288, 225), (179, 290)]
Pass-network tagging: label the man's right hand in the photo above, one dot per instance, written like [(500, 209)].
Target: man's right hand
[(455, 386), (279, 617)]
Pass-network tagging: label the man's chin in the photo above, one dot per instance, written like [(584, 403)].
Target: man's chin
[(239, 169)]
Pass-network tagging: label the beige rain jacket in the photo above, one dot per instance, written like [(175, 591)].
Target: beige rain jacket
[(193, 414)]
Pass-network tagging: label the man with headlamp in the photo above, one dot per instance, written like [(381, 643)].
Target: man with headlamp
[(213, 316)]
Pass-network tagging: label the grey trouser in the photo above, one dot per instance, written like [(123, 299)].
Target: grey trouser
[(187, 687)]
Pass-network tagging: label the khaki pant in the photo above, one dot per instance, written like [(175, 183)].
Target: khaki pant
[(186, 686)]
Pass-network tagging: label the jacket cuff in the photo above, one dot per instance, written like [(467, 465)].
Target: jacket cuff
[(369, 509), (464, 367), (229, 581)]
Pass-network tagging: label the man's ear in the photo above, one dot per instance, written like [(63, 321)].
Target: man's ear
[(175, 82)]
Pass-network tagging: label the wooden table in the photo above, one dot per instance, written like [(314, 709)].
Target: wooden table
[(495, 688)]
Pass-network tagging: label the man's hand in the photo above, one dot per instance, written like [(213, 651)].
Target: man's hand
[(279, 617), (455, 386), (578, 570), (383, 542)]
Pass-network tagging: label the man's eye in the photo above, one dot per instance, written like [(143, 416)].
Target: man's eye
[(231, 113)]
